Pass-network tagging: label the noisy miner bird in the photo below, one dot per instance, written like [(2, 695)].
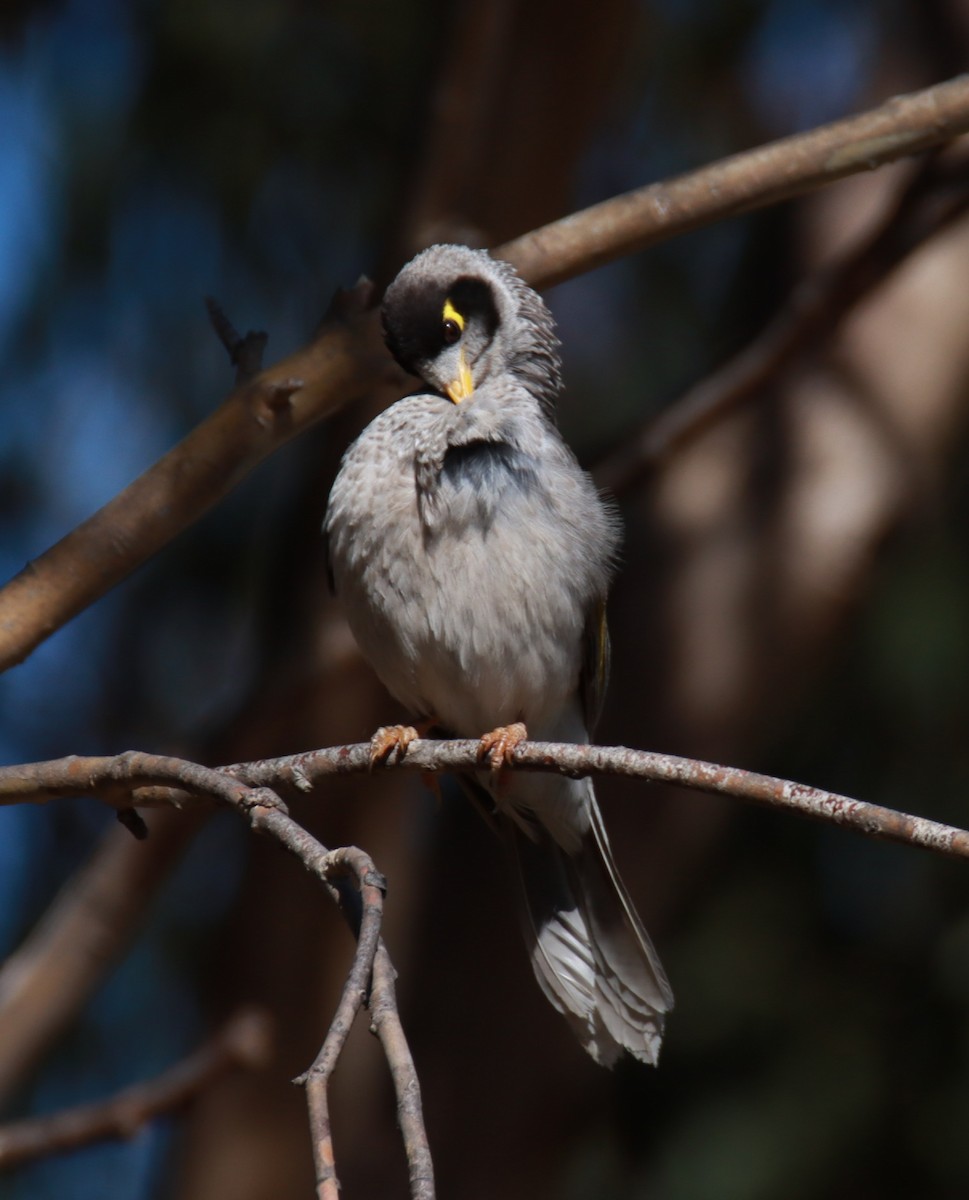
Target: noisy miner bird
[(472, 556)]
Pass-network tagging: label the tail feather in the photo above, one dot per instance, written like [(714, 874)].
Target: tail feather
[(590, 952)]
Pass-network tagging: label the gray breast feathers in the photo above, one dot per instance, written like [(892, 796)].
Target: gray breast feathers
[(476, 482)]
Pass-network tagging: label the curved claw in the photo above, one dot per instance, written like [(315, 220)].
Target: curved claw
[(389, 744), (498, 745)]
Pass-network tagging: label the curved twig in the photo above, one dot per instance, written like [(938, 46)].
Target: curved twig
[(355, 990), (348, 873), (410, 1115)]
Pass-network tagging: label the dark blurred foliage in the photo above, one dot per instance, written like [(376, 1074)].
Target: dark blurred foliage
[(156, 152)]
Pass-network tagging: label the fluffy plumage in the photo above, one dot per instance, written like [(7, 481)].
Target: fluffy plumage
[(473, 556)]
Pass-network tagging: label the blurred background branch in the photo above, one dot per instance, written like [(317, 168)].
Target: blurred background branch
[(245, 1040), (928, 202)]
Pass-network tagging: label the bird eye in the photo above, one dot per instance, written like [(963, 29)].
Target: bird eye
[(452, 323)]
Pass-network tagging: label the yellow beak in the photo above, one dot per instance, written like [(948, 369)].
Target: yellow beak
[(462, 387)]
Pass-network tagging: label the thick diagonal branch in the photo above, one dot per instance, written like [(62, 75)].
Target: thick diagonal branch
[(346, 360), (742, 183)]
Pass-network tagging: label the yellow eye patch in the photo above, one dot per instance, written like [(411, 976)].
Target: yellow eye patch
[(453, 324), (450, 313)]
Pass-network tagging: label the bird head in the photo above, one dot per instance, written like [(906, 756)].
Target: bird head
[(459, 318)]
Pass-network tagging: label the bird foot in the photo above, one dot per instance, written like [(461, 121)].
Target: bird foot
[(499, 745), (389, 744)]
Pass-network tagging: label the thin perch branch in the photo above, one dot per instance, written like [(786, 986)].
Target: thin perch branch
[(347, 360), (246, 787), (873, 820), (38, 783)]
